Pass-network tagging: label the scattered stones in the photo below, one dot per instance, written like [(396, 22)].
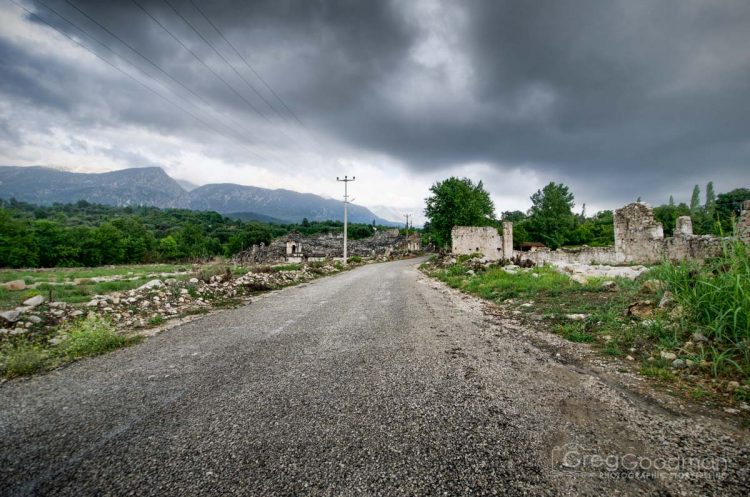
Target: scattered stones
[(630, 358), (609, 285), (193, 281), (678, 364), (641, 309), (668, 356), (34, 301), (15, 285)]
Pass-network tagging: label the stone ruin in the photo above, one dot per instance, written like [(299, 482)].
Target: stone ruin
[(483, 240), (296, 247), (639, 239)]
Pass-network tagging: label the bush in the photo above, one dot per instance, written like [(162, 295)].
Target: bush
[(355, 259), (716, 295), (22, 359), (92, 335)]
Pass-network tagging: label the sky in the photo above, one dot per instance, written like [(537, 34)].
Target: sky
[(618, 99)]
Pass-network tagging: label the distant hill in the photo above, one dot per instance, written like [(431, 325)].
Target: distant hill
[(152, 186), (43, 185)]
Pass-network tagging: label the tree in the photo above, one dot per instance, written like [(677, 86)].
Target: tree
[(728, 207), (710, 197), (671, 200), (551, 217), (457, 202), (695, 199)]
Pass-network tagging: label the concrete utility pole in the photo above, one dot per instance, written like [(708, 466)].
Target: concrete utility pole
[(346, 180)]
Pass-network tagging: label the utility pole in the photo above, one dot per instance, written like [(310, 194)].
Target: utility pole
[(346, 181)]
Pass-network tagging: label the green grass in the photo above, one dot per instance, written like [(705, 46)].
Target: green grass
[(355, 259), (62, 274), (715, 298), (85, 337), (92, 335), (156, 320), (22, 359)]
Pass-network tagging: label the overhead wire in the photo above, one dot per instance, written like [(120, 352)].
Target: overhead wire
[(136, 80)]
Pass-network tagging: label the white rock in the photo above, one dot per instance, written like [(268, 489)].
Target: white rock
[(184, 291), (35, 319), (75, 314), (34, 301), (15, 285), (58, 305), (194, 281), (151, 284), (10, 316), (668, 356), (576, 317)]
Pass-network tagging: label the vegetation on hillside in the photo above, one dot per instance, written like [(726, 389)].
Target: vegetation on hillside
[(85, 234)]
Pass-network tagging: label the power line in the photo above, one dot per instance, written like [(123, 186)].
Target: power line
[(249, 66), (147, 59), (231, 66), (175, 38), (219, 54), (139, 82)]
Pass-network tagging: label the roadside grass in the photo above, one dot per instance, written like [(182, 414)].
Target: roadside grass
[(288, 267), (89, 336), (707, 329), (60, 275)]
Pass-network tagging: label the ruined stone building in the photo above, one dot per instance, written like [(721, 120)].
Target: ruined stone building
[(639, 239), (296, 247)]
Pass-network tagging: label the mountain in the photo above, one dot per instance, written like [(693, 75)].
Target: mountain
[(282, 204), (139, 186), (152, 186)]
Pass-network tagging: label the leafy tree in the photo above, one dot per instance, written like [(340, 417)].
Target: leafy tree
[(728, 207), (695, 199), (457, 202), (710, 197), (168, 248), (551, 218)]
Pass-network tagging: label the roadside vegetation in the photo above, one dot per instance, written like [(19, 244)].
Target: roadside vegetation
[(687, 324), (89, 336)]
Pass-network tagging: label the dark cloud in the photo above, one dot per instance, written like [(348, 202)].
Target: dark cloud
[(619, 98)]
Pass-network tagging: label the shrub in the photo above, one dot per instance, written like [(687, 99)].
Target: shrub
[(355, 259), (92, 335), (22, 359)]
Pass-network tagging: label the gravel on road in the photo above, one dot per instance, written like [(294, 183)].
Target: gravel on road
[(376, 381)]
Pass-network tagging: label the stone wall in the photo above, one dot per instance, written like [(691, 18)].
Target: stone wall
[(483, 240), (639, 239)]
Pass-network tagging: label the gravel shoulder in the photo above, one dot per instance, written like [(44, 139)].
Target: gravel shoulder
[(376, 381)]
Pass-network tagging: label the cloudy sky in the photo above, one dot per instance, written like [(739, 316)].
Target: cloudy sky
[(618, 99)]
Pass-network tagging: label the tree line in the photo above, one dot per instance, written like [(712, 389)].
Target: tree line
[(86, 234), (551, 219)]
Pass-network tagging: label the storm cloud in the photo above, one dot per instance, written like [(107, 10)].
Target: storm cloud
[(619, 99)]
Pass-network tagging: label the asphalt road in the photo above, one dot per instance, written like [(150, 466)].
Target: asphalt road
[(376, 381)]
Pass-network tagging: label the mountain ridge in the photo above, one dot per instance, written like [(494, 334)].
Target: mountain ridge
[(153, 186)]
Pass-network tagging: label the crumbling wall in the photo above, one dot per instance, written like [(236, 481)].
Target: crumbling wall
[(578, 255), (639, 239), (295, 247), (483, 240)]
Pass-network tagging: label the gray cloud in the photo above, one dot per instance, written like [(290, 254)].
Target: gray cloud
[(620, 99)]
